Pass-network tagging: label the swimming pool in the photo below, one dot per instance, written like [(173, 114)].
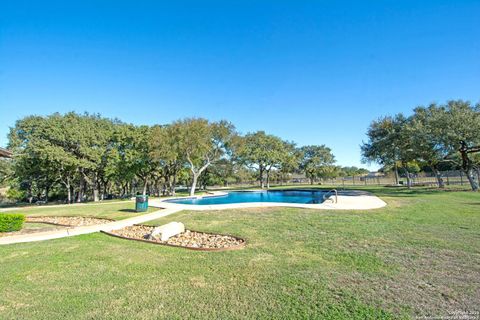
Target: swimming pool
[(287, 196)]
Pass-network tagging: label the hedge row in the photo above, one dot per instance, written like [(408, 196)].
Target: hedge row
[(11, 222)]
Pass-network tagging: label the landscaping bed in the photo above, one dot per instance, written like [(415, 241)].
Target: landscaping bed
[(189, 239), (69, 221)]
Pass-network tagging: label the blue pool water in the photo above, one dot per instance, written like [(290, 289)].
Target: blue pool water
[(290, 196)]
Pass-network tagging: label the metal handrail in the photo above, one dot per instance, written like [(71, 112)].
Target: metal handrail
[(333, 191)]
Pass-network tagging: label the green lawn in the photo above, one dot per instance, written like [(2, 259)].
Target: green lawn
[(418, 256)]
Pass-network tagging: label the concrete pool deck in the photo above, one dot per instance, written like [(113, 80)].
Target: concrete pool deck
[(347, 200)]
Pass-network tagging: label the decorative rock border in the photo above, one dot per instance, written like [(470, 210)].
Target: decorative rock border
[(234, 247)]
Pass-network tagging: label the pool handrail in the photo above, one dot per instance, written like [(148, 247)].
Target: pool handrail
[(333, 191)]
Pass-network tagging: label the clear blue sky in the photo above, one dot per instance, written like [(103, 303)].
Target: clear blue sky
[(315, 72)]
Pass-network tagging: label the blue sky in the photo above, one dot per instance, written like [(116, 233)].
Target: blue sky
[(315, 72)]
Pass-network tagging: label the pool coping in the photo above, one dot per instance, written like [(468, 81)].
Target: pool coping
[(347, 200)]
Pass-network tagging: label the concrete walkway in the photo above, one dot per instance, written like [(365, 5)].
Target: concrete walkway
[(75, 231)]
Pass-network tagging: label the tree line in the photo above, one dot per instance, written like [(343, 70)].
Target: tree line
[(77, 157), (432, 136)]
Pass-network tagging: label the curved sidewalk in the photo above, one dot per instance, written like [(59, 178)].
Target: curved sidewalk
[(47, 235)]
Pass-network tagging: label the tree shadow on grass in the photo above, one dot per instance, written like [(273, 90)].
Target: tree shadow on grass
[(127, 210)]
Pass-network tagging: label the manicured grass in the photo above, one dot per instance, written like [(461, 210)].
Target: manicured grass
[(115, 210), (418, 256)]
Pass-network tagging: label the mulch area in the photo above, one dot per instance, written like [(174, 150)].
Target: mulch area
[(69, 221), (188, 239)]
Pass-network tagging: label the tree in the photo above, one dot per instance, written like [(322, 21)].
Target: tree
[(133, 153), (289, 162), (387, 143), (353, 172), (263, 152), (221, 173), (65, 148), (41, 159), (406, 147), (203, 143), (316, 161), (166, 151), (458, 125), (6, 170), (426, 138)]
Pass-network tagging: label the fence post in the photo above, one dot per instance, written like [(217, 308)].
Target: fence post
[(461, 178)]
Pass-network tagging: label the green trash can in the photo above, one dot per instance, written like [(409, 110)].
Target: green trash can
[(141, 203)]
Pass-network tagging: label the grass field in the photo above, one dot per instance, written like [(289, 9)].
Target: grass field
[(420, 255)]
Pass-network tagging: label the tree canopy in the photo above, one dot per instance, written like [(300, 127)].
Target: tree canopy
[(431, 135)]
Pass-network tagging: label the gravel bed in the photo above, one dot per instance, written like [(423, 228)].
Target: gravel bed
[(69, 221), (188, 239)]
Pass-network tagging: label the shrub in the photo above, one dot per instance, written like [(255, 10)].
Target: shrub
[(11, 222)]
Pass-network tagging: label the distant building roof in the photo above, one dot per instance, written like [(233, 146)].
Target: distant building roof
[(4, 153)]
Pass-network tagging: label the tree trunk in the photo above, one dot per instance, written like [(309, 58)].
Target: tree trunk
[(66, 182), (311, 181), (105, 190), (194, 184), (471, 179), (94, 184), (96, 190), (196, 174), (174, 184), (397, 179), (80, 189), (268, 179), (438, 175), (409, 180), (262, 185), (96, 198), (145, 185)]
